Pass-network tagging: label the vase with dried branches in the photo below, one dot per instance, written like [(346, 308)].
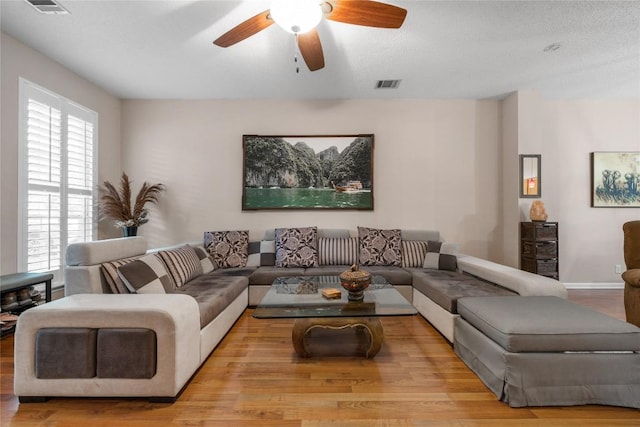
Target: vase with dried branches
[(115, 204)]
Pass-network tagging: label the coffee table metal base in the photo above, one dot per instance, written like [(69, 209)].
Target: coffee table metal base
[(302, 326)]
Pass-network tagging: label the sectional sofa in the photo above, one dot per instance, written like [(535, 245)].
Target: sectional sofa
[(139, 323)]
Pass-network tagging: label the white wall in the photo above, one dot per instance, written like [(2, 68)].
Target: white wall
[(436, 164), (18, 60)]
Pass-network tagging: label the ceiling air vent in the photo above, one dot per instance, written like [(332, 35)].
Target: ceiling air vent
[(47, 6), (387, 84)]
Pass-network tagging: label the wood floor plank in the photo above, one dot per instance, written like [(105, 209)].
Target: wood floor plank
[(254, 378)]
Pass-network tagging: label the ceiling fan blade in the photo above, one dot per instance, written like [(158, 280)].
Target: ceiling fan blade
[(311, 49), (366, 12), (245, 29)]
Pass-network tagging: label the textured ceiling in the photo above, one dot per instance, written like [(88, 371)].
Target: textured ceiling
[(446, 49)]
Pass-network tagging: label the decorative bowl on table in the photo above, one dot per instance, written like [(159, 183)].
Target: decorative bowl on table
[(355, 281)]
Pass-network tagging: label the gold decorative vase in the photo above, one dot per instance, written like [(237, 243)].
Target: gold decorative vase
[(355, 281)]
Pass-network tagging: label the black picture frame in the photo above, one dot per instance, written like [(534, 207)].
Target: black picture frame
[(311, 172)]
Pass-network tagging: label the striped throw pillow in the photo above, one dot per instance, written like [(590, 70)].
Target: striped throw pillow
[(183, 264), (413, 253), (337, 251), (110, 273)]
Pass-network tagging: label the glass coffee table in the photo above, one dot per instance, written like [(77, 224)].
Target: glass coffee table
[(301, 298)]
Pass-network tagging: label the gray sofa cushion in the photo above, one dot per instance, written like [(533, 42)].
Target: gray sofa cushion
[(213, 293), (237, 271), (394, 275), (446, 287), (547, 324), (266, 275)]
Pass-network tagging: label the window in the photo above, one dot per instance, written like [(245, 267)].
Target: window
[(56, 175)]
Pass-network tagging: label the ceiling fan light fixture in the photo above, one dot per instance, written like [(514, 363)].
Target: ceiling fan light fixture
[(296, 16)]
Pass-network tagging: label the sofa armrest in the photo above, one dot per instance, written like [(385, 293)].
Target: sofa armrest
[(519, 281), (632, 277), (174, 319)]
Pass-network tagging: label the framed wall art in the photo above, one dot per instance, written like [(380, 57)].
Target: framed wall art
[(530, 176), (615, 179), (307, 172)]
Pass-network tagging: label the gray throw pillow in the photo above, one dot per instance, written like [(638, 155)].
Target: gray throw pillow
[(441, 256), (146, 275)]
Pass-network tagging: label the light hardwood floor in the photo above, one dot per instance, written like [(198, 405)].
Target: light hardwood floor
[(254, 378)]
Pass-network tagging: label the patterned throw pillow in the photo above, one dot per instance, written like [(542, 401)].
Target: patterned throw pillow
[(380, 247), (262, 253), (206, 261), (230, 249), (441, 256), (337, 251), (413, 253), (146, 275), (110, 272), (296, 247), (183, 264)]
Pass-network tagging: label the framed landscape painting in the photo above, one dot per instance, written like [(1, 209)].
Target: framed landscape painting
[(615, 179), (307, 172)]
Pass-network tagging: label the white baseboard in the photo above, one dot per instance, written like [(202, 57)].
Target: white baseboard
[(596, 285)]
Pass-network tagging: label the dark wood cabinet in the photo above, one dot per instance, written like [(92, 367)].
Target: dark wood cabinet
[(539, 248)]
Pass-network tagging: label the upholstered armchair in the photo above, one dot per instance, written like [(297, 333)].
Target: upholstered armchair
[(631, 277)]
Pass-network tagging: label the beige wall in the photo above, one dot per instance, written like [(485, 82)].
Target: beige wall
[(18, 60), (565, 133), (436, 164), (449, 165)]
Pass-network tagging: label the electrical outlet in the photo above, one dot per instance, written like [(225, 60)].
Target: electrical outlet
[(618, 269)]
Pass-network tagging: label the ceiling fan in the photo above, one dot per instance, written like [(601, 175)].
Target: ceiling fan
[(300, 17)]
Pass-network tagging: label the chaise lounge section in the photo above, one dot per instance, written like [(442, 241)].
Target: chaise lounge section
[(546, 351)]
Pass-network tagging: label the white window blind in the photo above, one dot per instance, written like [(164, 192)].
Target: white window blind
[(56, 182)]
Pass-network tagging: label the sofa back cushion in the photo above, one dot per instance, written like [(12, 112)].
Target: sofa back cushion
[(441, 256), (413, 253), (337, 250), (262, 253), (146, 275), (229, 249), (182, 264), (380, 247), (296, 247), (111, 276), (206, 260)]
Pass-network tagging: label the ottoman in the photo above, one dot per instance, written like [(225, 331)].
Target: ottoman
[(547, 351)]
